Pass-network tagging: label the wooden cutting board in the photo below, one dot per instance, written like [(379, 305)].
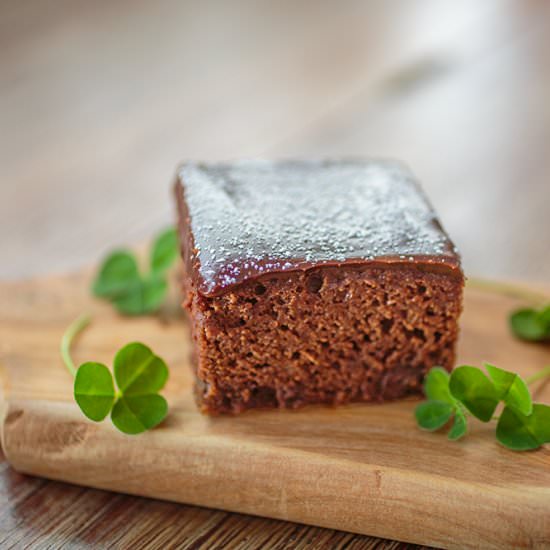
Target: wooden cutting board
[(361, 468)]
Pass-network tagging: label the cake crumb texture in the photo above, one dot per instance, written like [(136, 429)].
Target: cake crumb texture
[(328, 335)]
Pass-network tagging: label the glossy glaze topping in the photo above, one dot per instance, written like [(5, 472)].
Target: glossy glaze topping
[(254, 217)]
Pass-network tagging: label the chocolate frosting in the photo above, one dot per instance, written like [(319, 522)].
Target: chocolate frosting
[(256, 217)]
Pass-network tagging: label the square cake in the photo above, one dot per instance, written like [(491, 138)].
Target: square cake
[(313, 282)]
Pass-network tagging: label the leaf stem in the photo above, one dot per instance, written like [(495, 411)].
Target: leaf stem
[(73, 330), (543, 373), (508, 289)]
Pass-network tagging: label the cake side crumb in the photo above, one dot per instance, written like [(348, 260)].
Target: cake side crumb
[(328, 335)]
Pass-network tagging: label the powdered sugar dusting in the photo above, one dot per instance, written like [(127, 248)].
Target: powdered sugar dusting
[(255, 217)]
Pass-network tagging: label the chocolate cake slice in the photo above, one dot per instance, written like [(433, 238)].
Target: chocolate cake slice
[(313, 282)]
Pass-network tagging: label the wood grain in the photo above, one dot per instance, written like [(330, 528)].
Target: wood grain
[(311, 466), (42, 515)]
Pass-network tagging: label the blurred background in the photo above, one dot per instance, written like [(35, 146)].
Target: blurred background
[(100, 100)]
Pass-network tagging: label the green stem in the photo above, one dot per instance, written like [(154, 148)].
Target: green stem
[(543, 373), (514, 291), (74, 329)]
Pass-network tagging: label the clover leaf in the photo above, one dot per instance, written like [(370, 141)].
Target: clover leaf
[(531, 324), (475, 391), (135, 414), (433, 415), (119, 270), (441, 405), (145, 297), (131, 292), (436, 386), (522, 432), (164, 251), (511, 389), (522, 424), (459, 426), (94, 390), (544, 315), (138, 371), (136, 405)]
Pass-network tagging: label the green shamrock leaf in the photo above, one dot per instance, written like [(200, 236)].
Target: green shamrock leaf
[(531, 324), (145, 297), (475, 391), (459, 426), (118, 272), (511, 389), (441, 405), (521, 432), (544, 315), (138, 371), (436, 386), (164, 251), (136, 414), (94, 390), (140, 374), (432, 415), (132, 293), (522, 424)]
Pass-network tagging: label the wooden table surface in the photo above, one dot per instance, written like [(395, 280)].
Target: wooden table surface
[(100, 100)]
